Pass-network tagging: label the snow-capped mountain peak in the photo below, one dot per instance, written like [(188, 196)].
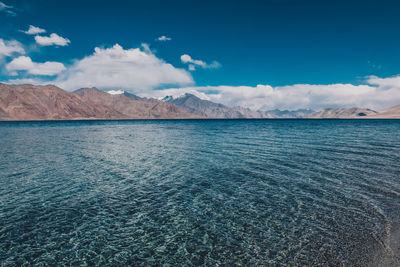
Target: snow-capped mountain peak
[(116, 92)]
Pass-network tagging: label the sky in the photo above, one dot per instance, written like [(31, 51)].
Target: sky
[(285, 54)]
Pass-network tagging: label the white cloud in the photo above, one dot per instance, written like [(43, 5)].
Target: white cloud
[(175, 92), (188, 59), (192, 63), (53, 39), (116, 92), (8, 9), (34, 30), (163, 38), (388, 83), (7, 48), (24, 63), (146, 48), (34, 81), (377, 93), (118, 68)]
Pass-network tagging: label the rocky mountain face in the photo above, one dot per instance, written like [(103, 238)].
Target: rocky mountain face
[(208, 109), (134, 108), (299, 113), (343, 113), (135, 97), (390, 113), (357, 113), (30, 102)]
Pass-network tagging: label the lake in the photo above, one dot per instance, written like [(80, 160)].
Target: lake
[(200, 192)]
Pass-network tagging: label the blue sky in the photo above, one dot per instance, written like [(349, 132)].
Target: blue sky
[(274, 43)]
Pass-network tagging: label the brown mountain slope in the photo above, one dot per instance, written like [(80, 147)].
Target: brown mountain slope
[(390, 113), (30, 102), (3, 115), (134, 108), (343, 113)]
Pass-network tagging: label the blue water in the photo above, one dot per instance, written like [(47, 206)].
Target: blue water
[(212, 193)]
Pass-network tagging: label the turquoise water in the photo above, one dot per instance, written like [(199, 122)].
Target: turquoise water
[(216, 192)]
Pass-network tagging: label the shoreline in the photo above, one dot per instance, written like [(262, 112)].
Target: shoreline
[(191, 119)]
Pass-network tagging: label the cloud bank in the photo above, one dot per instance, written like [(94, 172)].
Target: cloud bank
[(376, 93), (119, 68)]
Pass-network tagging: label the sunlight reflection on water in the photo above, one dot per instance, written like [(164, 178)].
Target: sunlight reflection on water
[(225, 192)]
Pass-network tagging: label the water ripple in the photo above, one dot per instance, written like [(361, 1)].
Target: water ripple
[(226, 192)]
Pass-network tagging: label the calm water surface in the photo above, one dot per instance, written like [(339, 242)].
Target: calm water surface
[(223, 192)]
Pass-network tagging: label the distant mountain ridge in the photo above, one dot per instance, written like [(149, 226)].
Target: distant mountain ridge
[(299, 113), (208, 109), (343, 113), (392, 112), (133, 106), (37, 102)]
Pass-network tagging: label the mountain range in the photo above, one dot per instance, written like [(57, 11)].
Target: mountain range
[(134, 107), (343, 113), (30, 102), (392, 112), (356, 113), (299, 113), (37, 102), (208, 109)]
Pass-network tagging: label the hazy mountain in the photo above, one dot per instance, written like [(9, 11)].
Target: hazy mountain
[(133, 108), (208, 109), (299, 113), (392, 112), (30, 102), (343, 113)]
